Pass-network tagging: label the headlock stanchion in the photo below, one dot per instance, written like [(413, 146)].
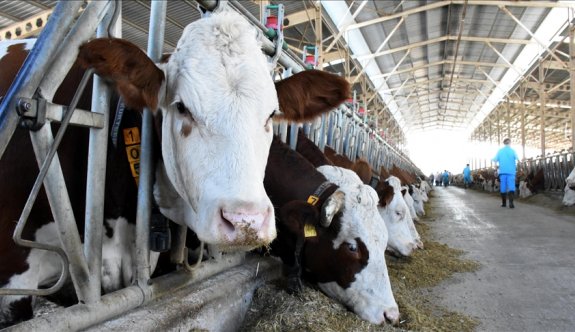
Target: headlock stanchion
[(42, 73)]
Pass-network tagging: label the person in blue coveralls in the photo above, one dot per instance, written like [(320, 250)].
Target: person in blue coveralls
[(445, 178), (506, 157), (467, 176)]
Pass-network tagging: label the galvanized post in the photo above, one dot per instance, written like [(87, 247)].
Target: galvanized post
[(155, 43), (542, 100), (96, 179), (572, 78)]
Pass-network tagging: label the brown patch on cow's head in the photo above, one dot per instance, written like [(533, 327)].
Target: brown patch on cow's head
[(307, 94), (186, 129), (385, 193), (341, 265), (136, 77)]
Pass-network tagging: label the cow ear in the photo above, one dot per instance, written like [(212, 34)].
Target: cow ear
[(331, 207), (137, 78), (385, 193), (308, 94)]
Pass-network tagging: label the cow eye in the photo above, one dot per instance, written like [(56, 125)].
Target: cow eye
[(182, 109), (352, 247)]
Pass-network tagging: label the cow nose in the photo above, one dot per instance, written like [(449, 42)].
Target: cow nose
[(391, 315), (247, 226), (419, 244)]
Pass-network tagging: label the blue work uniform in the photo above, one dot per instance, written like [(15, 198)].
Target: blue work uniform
[(506, 157)]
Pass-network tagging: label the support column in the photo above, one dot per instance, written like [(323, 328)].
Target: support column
[(572, 79), (522, 109), (542, 101)]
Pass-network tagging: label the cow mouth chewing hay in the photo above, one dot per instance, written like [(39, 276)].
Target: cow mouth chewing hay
[(242, 235)]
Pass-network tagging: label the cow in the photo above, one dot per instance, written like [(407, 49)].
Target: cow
[(396, 184), (535, 181), (569, 196), (391, 207), (418, 198), (213, 103), (395, 214), (344, 256)]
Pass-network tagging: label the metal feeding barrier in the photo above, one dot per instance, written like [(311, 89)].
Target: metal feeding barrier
[(45, 68)]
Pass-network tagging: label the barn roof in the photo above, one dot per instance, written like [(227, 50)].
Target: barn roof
[(464, 65)]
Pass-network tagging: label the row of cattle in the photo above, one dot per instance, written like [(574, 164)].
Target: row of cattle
[(219, 170), (526, 183)]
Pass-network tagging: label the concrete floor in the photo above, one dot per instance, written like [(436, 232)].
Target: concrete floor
[(527, 278)]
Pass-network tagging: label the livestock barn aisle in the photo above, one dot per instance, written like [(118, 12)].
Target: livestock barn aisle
[(527, 278)]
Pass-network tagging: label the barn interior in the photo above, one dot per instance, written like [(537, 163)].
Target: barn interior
[(435, 84)]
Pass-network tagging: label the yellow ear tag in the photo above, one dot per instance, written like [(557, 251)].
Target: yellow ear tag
[(312, 200), (309, 230)]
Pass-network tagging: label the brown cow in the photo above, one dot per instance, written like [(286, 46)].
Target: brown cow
[(345, 257)]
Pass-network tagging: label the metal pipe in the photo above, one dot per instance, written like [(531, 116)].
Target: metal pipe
[(96, 175), (34, 67), (82, 316), (293, 136), (45, 146), (155, 42)]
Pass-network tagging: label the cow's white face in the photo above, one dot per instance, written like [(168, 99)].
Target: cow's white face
[(370, 294), (418, 201), (408, 220), (395, 216), (409, 201), (217, 131)]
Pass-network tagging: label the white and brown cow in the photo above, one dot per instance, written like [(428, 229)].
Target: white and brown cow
[(345, 256), (213, 104), (395, 214)]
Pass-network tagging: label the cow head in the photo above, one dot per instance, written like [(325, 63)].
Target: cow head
[(408, 220), (213, 102), (394, 212), (418, 201), (354, 270)]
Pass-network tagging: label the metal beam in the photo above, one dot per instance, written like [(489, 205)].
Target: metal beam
[(439, 4), (342, 30), (303, 16), (442, 39), (469, 80)]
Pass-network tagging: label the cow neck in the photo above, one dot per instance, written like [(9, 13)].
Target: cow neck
[(322, 193), (289, 176)]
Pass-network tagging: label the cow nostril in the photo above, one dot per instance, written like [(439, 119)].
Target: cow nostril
[(391, 316), (227, 223)]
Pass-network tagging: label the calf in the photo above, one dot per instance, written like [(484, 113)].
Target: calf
[(212, 105), (345, 257)]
